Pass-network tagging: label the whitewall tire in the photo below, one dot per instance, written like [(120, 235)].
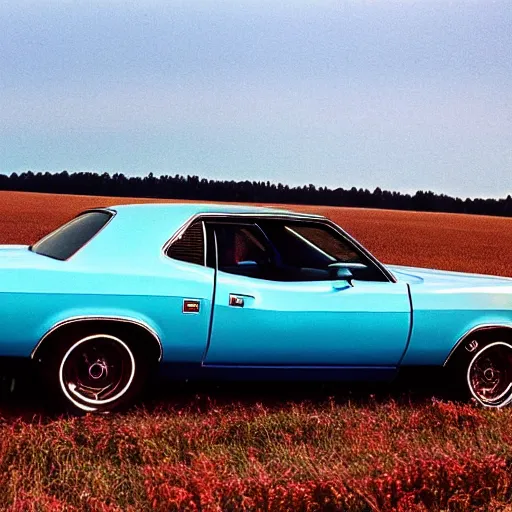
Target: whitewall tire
[(97, 373), (489, 375)]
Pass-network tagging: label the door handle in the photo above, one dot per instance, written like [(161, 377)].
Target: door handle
[(236, 301)]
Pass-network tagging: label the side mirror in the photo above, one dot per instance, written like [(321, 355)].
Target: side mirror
[(344, 274)]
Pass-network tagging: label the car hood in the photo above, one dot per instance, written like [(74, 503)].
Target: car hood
[(416, 275)]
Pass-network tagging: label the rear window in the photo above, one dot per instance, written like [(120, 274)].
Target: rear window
[(62, 243)]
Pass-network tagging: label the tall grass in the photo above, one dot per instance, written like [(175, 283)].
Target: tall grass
[(381, 455)]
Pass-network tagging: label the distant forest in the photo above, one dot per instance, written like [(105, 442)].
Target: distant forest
[(193, 187)]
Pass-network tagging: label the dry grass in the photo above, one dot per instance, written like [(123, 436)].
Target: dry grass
[(468, 243), (294, 457)]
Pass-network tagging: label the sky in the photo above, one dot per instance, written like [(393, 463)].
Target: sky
[(399, 94)]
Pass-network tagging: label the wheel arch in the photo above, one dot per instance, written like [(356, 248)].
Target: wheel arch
[(479, 331), (87, 323)]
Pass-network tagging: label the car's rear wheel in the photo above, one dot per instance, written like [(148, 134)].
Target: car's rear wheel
[(489, 374), (97, 373)]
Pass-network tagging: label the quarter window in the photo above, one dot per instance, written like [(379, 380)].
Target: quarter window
[(189, 246)]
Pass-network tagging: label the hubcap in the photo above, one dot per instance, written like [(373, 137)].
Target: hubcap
[(96, 370), (490, 375)]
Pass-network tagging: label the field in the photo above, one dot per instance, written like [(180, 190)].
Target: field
[(306, 449), (438, 240)]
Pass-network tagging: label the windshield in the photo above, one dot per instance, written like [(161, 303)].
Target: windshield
[(62, 243)]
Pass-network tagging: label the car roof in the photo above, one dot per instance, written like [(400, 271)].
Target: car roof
[(192, 209), (141, 229), (172, 216)]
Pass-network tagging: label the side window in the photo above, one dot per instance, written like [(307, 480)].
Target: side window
[(242, 249), (305, 251), (284, 250), (189, 246), (302, 245), (324, 241)]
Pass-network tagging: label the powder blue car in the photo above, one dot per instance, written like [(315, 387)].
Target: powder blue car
[(118, 294)]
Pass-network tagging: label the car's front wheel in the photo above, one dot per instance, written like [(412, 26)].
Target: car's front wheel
[(489, 374), (97, 373)]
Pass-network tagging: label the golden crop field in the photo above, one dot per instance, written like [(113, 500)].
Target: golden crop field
[(468, 243)]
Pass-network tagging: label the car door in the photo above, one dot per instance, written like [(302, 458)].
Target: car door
[(276, 301)]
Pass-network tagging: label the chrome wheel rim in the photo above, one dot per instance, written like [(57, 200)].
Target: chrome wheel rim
[(96, 371), (490, 375)]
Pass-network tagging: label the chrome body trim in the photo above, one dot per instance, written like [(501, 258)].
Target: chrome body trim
[(285, 216), (204, 241), (86, 318), (481, 327)]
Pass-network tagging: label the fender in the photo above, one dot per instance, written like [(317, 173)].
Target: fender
[(112, 318), (474, 330)]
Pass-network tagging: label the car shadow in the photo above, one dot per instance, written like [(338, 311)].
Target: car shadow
[(27, 400), (204, 395)]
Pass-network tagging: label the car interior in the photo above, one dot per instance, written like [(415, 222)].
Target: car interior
[(286, 251)]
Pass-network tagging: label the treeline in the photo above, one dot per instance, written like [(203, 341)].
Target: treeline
[(193, 187)]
